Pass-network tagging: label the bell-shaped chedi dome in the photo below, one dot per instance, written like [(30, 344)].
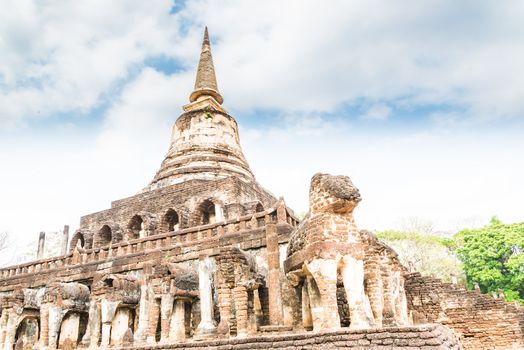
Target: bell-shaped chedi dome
[(205, 144)]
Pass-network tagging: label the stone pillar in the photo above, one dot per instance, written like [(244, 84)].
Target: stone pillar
[(119, 326), (207, 324), (315, 304), (324, 271), (257, 308), (219, 213), (10, 330), (166, 309), (3, 328), (178, 322), (143, 314), (44, 325), (353, 279), (108, 309), (92, 335), (154, 311), (41, 244), (65, 239), (55, 319), (307, 318), (273, 275)]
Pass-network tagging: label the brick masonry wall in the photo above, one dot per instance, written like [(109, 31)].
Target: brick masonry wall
[(480, 321), (184, 198), (427, 337), (151, 253)]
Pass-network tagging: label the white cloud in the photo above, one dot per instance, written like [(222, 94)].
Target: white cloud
[(294, 55), (58, 57), (378, 112), (295, 58), (309, 57), (444, 177)]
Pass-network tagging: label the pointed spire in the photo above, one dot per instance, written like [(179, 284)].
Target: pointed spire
[(206, 81)]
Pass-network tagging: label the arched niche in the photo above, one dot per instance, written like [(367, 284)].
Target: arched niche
[(27, 332), (104, 237), (259, 208), (123, 322), (135, 227), (72, 328), (78, 240), (209, 212), (171, 220)]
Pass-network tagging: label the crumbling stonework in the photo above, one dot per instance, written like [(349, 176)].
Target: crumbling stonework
[(429, 337), (204, 257), (328, 248), (481, 321)]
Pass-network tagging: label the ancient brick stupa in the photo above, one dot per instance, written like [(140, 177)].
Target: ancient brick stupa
[(204, 257)]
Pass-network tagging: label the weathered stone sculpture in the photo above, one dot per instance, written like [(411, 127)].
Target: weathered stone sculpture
[(327, 245)]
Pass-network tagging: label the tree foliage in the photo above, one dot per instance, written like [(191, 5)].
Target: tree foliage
[(493, 257), (429, 254)]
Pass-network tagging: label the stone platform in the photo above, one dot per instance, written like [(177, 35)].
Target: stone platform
[(422, 337)]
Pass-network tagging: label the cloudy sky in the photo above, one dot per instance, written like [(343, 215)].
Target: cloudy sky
[(420, 103)]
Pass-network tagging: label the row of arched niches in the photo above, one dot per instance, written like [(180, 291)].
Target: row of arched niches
[(144, 224)]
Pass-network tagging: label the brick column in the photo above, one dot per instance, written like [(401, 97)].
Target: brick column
[(240, 295), (154, 311), (224, 306), (44, 325), (273, 276), (389, 307), (374, 287)]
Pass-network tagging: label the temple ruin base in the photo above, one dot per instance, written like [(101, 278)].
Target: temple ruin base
[(423, 337)]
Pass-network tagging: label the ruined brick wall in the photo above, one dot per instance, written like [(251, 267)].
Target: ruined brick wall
[(184, 198), (428, 337), (480, 321)]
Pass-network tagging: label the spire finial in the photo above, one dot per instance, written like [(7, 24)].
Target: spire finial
[(206, 81)]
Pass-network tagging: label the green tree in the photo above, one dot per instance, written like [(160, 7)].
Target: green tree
[(429, 254), (493, 257)]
